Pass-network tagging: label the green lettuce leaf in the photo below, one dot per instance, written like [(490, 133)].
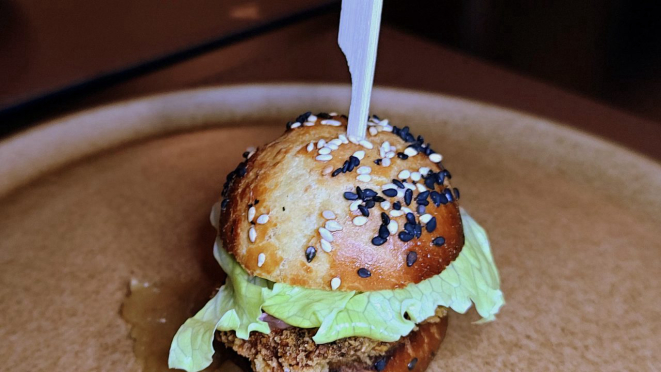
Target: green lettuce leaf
[(381, 315)]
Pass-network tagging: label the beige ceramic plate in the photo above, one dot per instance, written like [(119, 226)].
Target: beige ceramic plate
[(93, 200)]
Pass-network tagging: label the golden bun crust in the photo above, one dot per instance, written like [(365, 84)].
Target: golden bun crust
[(274, 204)]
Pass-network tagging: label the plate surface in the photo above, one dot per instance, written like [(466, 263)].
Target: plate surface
[(91, 201)]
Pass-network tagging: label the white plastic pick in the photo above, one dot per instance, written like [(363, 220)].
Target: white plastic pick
[(360, 21)]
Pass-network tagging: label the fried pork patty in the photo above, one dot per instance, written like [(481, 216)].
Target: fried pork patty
[(293, 350)]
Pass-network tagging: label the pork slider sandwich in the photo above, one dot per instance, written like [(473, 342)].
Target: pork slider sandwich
[(341, 255)]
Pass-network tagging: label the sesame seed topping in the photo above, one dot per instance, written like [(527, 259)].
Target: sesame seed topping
[(326, 157), (431, 225), (409, 186), (309, 123), (405, 236), (390, 192), (393, 227), (343, 138), (327, 170), (385, 205), (251, 213), (335, 283), (329, 215), (295, 125), (360, 220), (396, 213), (421, 209), (377, 240), (331, 122), (386, 146), (436, 158), (312, 118), (384, 218), (448, 195), (424, 171), (385, 162), (387, 128), (397, 205), (410, 217), (364, 170), (390, 154), (310, 146), (333, 226), (324, 151), (366, 144), (412, 364), (364, 211), (439, 241), (402, 155), (252, 234), (364, 178), (425, 218), (350, 195), (325, 234), (404, 174), (263, 219), (353, 139), (408, 195), (321, 143), (260, 259), (354, 206), (420, 187), (326, 245), (415, 176), (310, 252), (364, 273), (373, 131), (456, 193), (411, 257), (383, 232), (406, 210), (336, 142), (410, 151)]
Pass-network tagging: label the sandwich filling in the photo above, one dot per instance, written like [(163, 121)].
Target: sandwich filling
[(386, 315)]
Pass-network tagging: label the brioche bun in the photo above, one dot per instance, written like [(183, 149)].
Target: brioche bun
[(275, 203)]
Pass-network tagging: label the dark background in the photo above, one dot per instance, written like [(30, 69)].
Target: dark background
[(55, 53)]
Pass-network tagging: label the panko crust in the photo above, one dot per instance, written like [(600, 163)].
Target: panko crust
[(290, 187)]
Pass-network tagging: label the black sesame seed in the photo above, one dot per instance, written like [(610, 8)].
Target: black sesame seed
[(430, 181), (378, 161), (242, 170), (380, 364), (364, 273), (390, 192), (303, 117), (369, 193), (412, 363), (409, 138), (402, 155), (256, 201), (376, 117), (439, 241), (456, 193), (224, 203), (377, 240), (283, 209), (410, 217), (350, 166), (324, 115), (448, 194), (431, 225), (370, 204), (408, 195), (436, 198), (384, 218), (447, 174), (440, 178), (409, 228), (350, 196), (405, 131), (383, 232), (364, 210), (421, 209), (289, 123), (422, 202), (423, 195), (411, 257), (336, 172), (379, 199), (245, 154), (354, 161), (397, 206), (421, 139), (405, 236), (428, 150), (310, 252), (418, 230), (398, 183), (345, 166), (444, 199)]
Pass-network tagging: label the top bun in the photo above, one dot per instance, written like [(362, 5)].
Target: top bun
[(293, 212)]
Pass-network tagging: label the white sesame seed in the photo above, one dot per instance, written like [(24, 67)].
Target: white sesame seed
[(406, 210), (385, 205), (310, 146), (353, 139), (360, 154), (250, 154), (364, 170), (329, 215), (389, 186), (332, 146), (386, 146), (321, 143), (385, 162), (252, 234), (251, 149), (409, 186), (263, 219), (326, 157), (326, 246), (421, 187), (373, 131), (260, 259), (327, 170), (435, 158), (354, 205), (325, 234), (366, 144), (331, 122), (404, 174), (396, 213), (424, 171), (333, 113), (309, 123), (324, 151), (384, 122), (364, 178), (392, 227), (415, 176), (295, 125), (410, 151), (333, 226), (336, 141), (400, 193), (343, 138), (390, 154), (312, 118), (387, 128), (251, 213), (425, 218), (382, 152), (335, 283), (360, 220)]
